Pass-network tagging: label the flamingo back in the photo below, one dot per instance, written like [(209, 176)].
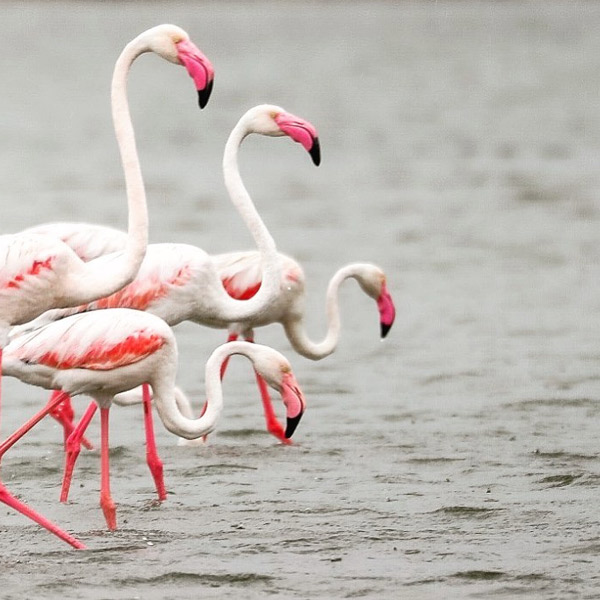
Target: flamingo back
[(33, 269), (88, 241), (241, 272), (101, 340)]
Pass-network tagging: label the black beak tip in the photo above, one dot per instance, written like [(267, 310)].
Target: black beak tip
[(315, 152), (291, 425), (385, 329), (204, 95)]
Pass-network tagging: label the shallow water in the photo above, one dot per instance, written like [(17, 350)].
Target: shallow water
[(459, 459)]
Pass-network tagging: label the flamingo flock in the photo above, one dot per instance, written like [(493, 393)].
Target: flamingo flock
[(88, 310)]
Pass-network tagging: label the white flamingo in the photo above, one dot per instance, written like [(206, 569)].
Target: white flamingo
[(39, 272), (240, 274), (179, 282), (103, 353)]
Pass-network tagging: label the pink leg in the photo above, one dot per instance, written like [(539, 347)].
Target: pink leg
[(230, 338), (63, 413), (274, 427), (73, 446), (19, 506), (154, 463), (17, 435), (106, 501), (11, 501)]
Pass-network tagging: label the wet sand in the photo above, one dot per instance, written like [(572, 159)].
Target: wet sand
[(459, 458)]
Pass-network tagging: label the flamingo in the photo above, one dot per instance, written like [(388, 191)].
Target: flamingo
[(39, 272), (240, 274), (105, 352), (180, 282)]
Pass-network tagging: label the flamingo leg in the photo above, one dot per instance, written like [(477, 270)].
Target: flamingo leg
[(106, 502), (73, 447), (19, 433), (63, 413), (230, 338), (274, 427), (154, 462), (7, 498)]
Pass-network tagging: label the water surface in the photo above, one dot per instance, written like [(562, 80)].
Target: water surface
[(459, 459)]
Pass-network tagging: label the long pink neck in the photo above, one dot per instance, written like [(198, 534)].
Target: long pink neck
[(98, 282)]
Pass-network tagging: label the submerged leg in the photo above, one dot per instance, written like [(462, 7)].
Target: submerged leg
[(154, 463), (73, 446), (106, 502), (7, 498)]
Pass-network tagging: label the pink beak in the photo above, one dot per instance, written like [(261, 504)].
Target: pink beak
[(294, 402), (387, 311), (199, 68), (301, 131)]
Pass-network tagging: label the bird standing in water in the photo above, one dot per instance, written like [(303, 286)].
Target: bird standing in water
[(105, 352), (180, 282), (39, 272)]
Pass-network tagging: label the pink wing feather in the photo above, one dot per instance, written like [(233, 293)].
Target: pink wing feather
[(101, 340), (240, 273)]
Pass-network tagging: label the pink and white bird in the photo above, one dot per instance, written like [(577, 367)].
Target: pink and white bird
[(103, 353), (39, 272), (241, 276), (180, 282)]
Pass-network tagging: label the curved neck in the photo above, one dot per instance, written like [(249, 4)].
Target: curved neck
[(295, 328), (125, 268), (166, 403), (232, 309)]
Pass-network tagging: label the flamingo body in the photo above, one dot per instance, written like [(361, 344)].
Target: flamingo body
[(180, 282), (39, 272), (105, 352), (35, 274)]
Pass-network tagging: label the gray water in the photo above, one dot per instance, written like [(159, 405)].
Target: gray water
[(461, 145)]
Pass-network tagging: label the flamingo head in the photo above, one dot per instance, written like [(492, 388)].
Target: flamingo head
[(173, 44), (274, 368), (268, 119), (373, 282)]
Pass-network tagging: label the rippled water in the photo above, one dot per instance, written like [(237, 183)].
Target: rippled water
[(460, 142)]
